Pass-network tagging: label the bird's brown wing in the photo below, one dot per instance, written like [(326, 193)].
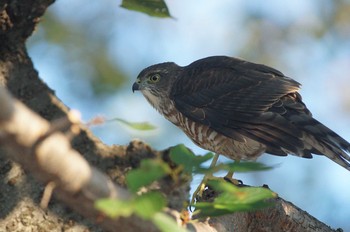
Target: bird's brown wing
[(236, 98), (233, 84)]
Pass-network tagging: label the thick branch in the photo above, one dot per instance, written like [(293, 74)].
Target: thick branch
[(283, 216), (51, 159)]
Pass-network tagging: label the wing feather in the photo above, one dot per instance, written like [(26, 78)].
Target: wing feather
[(238, 98)]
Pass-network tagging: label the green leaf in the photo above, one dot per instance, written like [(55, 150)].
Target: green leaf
[(114, 208), (148, 204), (234, 167), (190, 162), (149, 171), (193, 163), (233, 199), (165, 223), (156, 8), (245, 195), (245, 167), (135, 125)]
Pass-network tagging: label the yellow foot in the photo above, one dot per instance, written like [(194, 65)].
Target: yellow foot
[(229, 178), (198, 193), (200, 189)]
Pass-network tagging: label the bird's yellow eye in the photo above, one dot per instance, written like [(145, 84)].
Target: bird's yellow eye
[(154, 78)]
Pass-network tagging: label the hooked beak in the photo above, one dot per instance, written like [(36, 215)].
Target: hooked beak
[(135, 87)]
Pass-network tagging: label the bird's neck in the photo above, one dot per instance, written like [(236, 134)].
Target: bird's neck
[(163, 105)]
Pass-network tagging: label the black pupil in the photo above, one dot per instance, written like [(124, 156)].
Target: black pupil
[(154, 78)]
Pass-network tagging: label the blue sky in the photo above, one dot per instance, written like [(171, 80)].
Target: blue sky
[(208, 28)]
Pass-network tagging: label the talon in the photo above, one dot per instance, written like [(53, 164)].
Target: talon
[(233, 181), (199, 190), (201, 187)]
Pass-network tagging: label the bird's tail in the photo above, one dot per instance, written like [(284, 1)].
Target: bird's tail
[(324, 141)]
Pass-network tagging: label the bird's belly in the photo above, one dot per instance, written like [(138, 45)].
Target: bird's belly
[(220, 144), (211, 140)]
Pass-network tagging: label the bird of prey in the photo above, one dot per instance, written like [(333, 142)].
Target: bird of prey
[(239, 109)]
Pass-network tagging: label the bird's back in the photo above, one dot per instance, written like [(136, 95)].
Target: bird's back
[(243, 101)]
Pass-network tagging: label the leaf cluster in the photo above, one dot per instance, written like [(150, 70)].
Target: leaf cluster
[(150, 204)]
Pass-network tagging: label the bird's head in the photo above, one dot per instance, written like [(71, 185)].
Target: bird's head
[(155, 82)]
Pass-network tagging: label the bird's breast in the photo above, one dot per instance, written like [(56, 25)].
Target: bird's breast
[(207, 138)]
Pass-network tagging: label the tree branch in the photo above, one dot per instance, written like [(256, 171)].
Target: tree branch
[(283, 216), (51, 159)]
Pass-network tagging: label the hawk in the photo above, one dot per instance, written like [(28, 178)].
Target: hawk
[(239, 109)]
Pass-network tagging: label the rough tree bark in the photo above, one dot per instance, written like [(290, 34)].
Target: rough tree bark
[(25, 170)]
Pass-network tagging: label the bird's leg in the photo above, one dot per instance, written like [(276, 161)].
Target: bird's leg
[(214, 161), (199, 190), (229, 176)]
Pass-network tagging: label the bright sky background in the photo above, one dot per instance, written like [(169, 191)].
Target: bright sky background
[(318, 186)]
